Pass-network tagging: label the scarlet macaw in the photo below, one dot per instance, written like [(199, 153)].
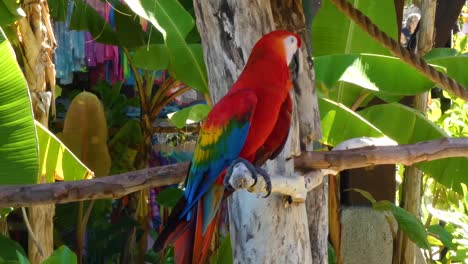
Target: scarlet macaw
[(250, 122)]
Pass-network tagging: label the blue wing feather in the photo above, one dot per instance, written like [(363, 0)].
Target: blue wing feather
[(220, 142)]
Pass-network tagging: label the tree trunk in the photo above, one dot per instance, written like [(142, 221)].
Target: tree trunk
[(228, 31), (412, 183), (38, 42)]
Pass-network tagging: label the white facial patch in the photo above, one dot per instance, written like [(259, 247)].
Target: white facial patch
[(290, 43)]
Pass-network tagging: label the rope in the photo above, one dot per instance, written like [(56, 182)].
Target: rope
[(397, 50)]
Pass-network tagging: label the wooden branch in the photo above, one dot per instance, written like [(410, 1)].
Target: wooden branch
[(296, 186), (99, 188), (330, 161), (339, 160)]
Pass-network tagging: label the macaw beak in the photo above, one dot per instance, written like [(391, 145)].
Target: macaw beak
[(295, 69)]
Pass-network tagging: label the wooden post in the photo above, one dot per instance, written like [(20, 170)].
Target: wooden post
[(406, 251), (263, 230)]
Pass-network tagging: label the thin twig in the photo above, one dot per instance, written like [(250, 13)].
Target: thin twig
[(31, 233)]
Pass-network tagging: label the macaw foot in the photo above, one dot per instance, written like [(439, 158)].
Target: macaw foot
[(241, 167)]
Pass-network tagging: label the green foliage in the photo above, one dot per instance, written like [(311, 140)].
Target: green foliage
[(340, 123), (169, 197), (442, 234), (333, 33), (411, 225), (455, 67), (84, 17), (10, 11), (224, 252), (175, 23), (370, 71), (9, 249), (19, 159), (114, 102), (194, 113), (56, 160), (58, 9), (407, 222), (331, 254), (123, 147), (13, 253), (152, 57), (128, 28), (61, 255)]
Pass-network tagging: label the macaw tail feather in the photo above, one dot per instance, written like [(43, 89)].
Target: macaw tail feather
[(190, 244), (202, 242), (173, 228)]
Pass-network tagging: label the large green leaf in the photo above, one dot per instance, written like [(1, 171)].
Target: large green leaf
[(19, 160), (175, 23), (407, 126), (440, 52), (10, 11), (61, 255), (128, 28), (333, 33), (9, 249), (152, 57), (407, 222), (373, 72), (401, 123), (86, 18), (56, 160), (58, 9), (456, 67), (340, 123)]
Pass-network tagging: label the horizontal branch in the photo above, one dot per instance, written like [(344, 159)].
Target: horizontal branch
[(119, 185), (114, 186), (338, 160)]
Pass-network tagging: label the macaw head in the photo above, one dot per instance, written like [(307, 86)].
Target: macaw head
[(280, 43)]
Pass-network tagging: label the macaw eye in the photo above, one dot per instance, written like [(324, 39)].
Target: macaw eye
[(292, 39)]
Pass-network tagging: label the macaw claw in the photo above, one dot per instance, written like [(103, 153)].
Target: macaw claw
[(255, 171)]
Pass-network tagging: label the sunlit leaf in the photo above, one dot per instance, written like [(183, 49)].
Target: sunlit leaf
[(10, 11), (56, 160), (194, 113), (19, 159), (175, 23), (407, 126), (456, 67), (365, 194), (444, 236), (333, 33), (373, 72), (440, 53), (340, 123)]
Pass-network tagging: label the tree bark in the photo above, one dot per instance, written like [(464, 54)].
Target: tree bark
[(228, 31), (38, 42), (290, 15)]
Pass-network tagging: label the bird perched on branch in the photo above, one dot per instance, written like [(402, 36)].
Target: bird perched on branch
[(250, 124)]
